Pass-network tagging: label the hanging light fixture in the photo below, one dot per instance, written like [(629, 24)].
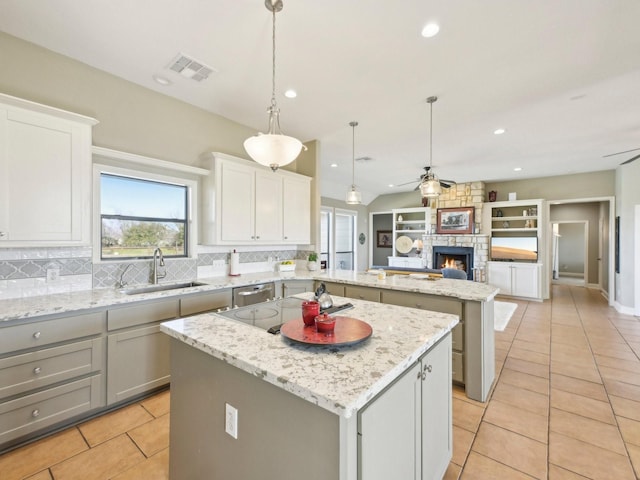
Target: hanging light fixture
[(354, 197), (430, 186), (273, 149)]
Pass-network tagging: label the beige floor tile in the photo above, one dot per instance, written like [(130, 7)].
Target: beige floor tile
[(525, 366), (113, 424), (623, 407), (101, 462), (452, 473), (524, 380), (588, 460), (159, 404), (517, 420), (628, 365), (462, 440), (43, 475), (503, 344), (524, 399), (530, 356), (622, 352), (621, 389), (557, 473), (152, 436), (587, 407), (532, 346), (587, 430), (153, 468), (571, 354), (584, 372), (479, 467), (458, 392), (521, 453), (36, 457), (466, 415), (634, 454), (630, 430), (609, 373), (581, 387)]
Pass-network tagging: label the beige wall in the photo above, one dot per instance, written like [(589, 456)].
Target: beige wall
[(563, 187)]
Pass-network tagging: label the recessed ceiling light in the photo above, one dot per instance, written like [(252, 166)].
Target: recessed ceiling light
[(334, 165), (430, 30), (391, 185), (162, 80), (499, 131), (290, 93), (517, 169)]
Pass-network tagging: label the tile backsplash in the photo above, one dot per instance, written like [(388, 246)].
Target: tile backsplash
[(23, 271)]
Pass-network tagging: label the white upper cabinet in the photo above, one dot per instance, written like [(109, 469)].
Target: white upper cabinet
[(244, 204), (45, 175)]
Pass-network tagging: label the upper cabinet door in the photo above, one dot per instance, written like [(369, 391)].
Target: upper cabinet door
[(237, 199), (296, 217), (268, 207), (45, 178)]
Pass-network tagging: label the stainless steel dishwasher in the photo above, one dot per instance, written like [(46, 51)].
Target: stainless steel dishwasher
[(251, 294)]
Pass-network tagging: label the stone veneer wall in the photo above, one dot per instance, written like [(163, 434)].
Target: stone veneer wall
[(460, 195)]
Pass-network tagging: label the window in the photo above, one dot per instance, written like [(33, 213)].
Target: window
[(137, 215)]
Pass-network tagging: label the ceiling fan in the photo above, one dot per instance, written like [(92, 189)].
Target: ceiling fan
[(425, 176), (429, 185)]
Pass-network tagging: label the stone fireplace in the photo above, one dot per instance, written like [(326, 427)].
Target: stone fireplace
[(476, 246)]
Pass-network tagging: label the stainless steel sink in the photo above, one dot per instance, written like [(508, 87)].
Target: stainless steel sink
[(160, 287)]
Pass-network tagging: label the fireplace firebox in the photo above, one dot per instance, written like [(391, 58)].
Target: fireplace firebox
[(454, 257)]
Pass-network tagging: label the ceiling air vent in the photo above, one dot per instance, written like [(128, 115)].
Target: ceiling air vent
[(190, 68), (364, 159)]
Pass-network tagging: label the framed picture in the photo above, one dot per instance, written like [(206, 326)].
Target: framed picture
[(455, 220), (384, 238)]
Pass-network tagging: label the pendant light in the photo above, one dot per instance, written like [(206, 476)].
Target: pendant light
[(430, 186), (354, 197), (273, 149)]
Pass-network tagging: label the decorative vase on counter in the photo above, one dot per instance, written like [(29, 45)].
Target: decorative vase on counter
[(312, 262)]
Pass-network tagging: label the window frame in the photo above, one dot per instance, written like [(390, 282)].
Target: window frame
[(191, 232)]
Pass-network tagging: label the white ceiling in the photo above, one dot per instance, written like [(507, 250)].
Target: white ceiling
[(561, 76)]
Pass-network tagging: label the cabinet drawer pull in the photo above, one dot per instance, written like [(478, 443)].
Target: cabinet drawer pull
[(428, 368), (37, 370), (36, 335), (35, 413), (3, 234)]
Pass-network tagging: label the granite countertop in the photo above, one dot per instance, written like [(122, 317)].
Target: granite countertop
[(27, 307), (338, 379)]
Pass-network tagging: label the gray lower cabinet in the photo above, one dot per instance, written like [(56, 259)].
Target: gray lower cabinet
[(438, 304), (205, 302), (333, 288), (406, 432), (137, 352), (294, 287), (51, 371), (363, 293)]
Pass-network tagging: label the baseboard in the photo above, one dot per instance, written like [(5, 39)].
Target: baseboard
[(623, 309)]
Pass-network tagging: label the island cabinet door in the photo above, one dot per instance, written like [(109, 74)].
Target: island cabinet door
[(389, 431), (436, 405)]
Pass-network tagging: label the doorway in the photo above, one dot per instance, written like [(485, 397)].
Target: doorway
[(570, 244)]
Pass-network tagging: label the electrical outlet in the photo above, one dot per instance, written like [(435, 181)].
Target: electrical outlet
[(231, 420), (53, 274), (218, 263)]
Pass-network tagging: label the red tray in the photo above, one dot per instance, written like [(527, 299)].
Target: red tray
[(348, 331)]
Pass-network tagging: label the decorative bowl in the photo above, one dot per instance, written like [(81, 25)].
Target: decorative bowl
[(325, 323)]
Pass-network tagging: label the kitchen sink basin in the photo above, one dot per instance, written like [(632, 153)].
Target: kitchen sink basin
[(160, 287)]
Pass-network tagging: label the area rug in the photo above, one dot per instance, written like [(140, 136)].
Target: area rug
[(502, 313)]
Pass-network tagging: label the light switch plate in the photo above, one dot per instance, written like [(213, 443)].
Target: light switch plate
[(231, 420)]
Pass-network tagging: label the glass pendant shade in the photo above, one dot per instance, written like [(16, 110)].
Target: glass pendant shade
[(354, 197), (273, 150), (430, 188)]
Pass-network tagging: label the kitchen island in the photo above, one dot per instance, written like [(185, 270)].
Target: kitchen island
[(312, 412)]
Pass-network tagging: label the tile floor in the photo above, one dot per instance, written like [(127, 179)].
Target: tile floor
[(566, 405)]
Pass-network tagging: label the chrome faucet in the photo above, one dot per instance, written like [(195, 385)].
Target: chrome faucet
[(158, 261)]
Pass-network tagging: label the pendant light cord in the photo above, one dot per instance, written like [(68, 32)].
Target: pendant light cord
[(353, 150), (273, 62)]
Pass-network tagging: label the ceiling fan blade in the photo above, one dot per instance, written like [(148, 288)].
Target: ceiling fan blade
[(407, 183), (631, 160)]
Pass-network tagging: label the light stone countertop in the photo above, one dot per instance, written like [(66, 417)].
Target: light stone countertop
[(338, 379), (28, 307)]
